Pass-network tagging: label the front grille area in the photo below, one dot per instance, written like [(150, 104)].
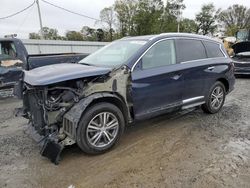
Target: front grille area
[(36, 112)]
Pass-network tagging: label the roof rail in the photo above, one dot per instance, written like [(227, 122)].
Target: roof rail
[(125, 37)]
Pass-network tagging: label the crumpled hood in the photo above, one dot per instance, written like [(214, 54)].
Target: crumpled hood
[(241, 47), (61, 72)]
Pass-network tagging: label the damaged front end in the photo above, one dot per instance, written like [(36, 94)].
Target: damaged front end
[(44, 107), (54, 110)]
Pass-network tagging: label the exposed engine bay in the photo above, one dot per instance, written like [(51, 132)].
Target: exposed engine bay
[(54, 110)]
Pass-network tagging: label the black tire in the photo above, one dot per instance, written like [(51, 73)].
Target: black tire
[(83, 130), (208, 106)]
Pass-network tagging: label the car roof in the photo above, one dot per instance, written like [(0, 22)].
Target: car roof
[(169, 35), (9, 39)]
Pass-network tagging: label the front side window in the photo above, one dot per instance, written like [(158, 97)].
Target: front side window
[(161, 54), (213, 49), (189, 50)]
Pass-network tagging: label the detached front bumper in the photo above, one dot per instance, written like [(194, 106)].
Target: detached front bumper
[(51, 139), (49, 145)]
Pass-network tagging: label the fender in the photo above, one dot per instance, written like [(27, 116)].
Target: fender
[(72, 118)]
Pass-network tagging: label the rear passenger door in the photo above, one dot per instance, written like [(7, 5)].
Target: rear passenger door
[(216, 66), (203, 63), (191, 54)]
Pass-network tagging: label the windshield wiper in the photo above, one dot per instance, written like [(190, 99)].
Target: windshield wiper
[(86, 64)]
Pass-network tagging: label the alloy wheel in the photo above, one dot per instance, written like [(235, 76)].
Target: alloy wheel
[(102, 129), (217, 97)]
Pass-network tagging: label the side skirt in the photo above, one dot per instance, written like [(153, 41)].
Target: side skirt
[(185, 104), (192, 102)]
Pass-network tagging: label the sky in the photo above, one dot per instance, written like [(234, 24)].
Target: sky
[(28, 21)]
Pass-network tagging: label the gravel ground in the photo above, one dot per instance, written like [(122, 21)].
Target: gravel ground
[(188, 149)]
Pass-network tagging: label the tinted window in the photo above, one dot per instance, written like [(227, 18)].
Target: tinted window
[(213, 49), (7, 50), (188, 50), (161, 54)]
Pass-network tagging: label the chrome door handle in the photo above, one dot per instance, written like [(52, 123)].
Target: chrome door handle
[(210, 68), (176, 77)]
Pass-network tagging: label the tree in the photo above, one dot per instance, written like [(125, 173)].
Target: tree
[(50, 33), (234, 18), (74, 36), (107, 16), (89, 34), (147, 19), (172, 11), (188, 26), (125, 13), (174, 7), (34, 36), (206, 19), (100, 34)]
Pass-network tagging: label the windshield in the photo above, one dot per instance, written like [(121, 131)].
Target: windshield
[(114, 54)]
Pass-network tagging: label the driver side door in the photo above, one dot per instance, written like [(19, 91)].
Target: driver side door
[(157, 81)]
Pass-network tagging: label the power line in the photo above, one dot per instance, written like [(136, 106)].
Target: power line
[(14, 14), (25, 19), (72, 12)]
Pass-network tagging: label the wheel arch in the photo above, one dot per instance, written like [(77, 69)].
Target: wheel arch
[(225, 82), (72, 117), (115, 100)]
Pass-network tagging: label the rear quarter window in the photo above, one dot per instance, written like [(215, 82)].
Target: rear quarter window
[(213, 49), (189, 50)]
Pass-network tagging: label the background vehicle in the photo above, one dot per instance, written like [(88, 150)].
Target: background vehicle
[(242, 58), (132, 79), (243, 35), (239, 49), (14, 58)]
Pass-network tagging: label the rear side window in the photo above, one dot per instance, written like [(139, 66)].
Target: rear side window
[(213, 49), (188, 50)]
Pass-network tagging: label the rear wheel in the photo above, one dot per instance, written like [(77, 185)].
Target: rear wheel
[(216, 98), (100, 128)]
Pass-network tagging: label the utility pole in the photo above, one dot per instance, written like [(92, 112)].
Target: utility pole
[(40, 19), (178, 27), (178, 17)]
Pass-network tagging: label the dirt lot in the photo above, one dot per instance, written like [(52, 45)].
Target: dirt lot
[(188, 149)]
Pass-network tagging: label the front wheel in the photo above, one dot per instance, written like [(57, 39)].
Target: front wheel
[(100, 128), (215, 99)]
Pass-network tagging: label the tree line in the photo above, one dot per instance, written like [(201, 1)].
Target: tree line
[(144, 17)]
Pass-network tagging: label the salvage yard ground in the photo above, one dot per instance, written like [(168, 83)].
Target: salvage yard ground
[(188, 149)]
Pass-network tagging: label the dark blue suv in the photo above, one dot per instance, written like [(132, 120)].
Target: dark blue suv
[(131, 79)]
